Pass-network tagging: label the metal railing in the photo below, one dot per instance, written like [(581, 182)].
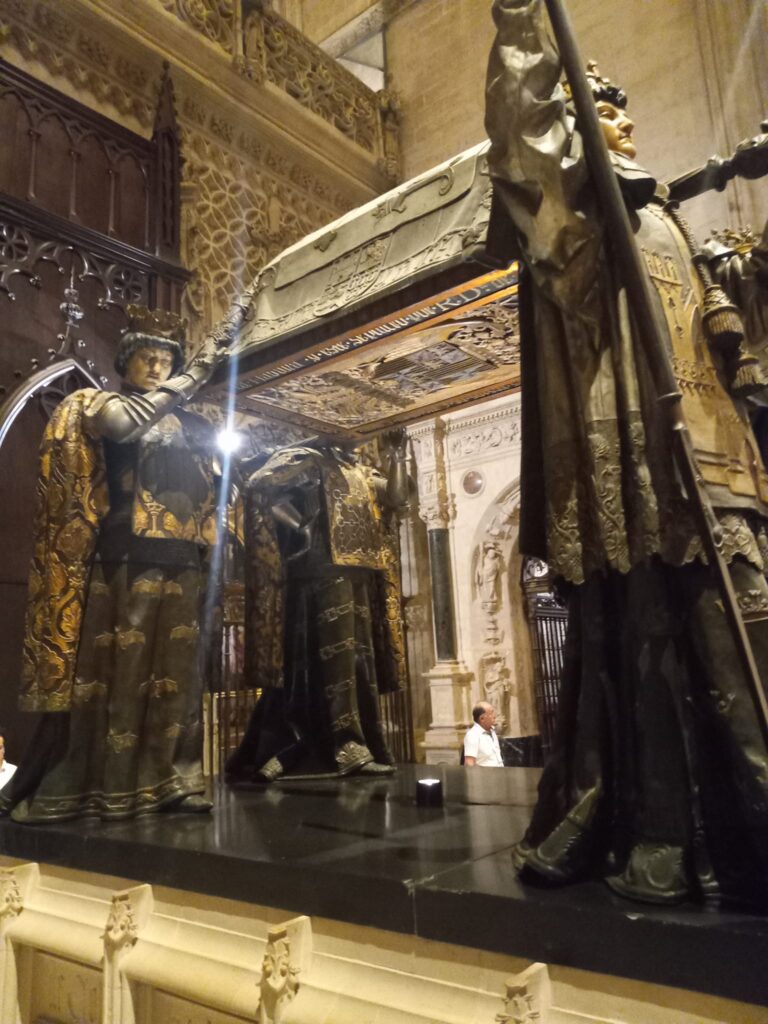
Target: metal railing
[(548, 621)]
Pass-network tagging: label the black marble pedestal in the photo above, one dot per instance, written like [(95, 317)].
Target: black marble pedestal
[(361, 851)]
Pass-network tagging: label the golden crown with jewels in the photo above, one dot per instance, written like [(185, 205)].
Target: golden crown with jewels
[(158, 323)]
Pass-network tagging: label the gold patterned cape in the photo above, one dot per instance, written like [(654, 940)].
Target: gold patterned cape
[(359, 536), (72, 499)]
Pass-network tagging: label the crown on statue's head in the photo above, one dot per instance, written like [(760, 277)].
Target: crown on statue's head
[(602, 88), (158, 323), (741, 240)]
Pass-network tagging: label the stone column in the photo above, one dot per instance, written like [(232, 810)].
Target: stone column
[(448, 678)]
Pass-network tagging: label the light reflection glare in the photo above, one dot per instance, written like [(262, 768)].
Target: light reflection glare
[(228, 440)]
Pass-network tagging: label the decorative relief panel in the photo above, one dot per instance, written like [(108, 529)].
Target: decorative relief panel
[(436, 507), (496, 614), (425, 369), (214, 19), (238, 214), (40, 32), (293, 63), (484, 435)]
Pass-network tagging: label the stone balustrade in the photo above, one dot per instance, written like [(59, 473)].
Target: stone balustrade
[(266, 48)]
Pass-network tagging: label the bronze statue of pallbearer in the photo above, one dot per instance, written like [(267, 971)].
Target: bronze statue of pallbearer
[(658, 779), (324, 632), (126, 508)]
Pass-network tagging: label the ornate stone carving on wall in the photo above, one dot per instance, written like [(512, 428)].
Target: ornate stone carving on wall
[(294, 64), (436, 507), (265, 47), (390, 161), (245, 200), (482, 449), (38, 31), (214, 19), (486, 433), (273, 50), (239, 212), (495, 677)]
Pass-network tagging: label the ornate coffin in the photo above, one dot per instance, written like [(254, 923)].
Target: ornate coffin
[(400, 309)]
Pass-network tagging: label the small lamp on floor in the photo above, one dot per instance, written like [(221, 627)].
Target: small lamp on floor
[(429, 793)]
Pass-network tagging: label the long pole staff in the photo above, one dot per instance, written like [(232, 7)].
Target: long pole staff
[(642, 307)]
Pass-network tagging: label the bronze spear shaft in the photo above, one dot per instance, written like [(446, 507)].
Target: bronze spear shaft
[(653, 341)]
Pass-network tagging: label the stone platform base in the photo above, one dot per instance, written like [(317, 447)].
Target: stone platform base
[(342, 902)]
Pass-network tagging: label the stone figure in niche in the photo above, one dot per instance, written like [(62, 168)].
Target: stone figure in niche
[(497, 686), (324, 630), (126, 510), (658, 779), (487, 576)]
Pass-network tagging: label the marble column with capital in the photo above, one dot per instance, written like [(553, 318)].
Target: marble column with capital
[(448, 679)]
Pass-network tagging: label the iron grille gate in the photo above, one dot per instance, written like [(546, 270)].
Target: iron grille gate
[(549, 627), (548, 620)]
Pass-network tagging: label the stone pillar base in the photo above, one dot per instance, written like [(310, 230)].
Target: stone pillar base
[(451, 711)]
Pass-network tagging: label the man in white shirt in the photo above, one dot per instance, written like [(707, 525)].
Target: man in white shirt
[(6, 769), (481, 744)]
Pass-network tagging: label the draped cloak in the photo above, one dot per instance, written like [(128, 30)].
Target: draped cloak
[(658, 775)]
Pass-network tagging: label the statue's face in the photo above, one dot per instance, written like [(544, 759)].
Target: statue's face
[(149, 367), (617, 129)]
